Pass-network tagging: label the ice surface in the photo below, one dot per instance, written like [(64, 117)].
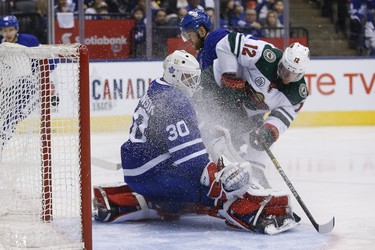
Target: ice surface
[(332, 169)]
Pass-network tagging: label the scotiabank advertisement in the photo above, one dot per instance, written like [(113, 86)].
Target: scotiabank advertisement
[(105, 39)]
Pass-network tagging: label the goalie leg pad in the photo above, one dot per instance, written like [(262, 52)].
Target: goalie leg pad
[(261, 214), (119, 203), (277, 205)]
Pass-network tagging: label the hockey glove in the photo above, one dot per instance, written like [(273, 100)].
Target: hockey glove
[(264, 137), (225, 182), (232, 81)]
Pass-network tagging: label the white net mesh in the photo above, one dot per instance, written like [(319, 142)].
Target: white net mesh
[(40, 204)]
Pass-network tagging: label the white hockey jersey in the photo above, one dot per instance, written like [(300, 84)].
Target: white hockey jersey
[(256, 62)]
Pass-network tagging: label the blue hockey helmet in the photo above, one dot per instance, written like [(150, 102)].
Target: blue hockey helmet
[(8, 21), (193, 20)]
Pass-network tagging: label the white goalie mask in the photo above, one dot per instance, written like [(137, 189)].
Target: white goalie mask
[(182, 71), (293, 63)]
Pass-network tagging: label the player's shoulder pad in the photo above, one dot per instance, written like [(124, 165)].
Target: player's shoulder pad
[(296, 92), (268, 61), (217, 34), (271, 54), (214, 37), (168, 95), (235, 40), (207, 55)]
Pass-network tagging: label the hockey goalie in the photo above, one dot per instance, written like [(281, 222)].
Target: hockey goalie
[(168, 172)]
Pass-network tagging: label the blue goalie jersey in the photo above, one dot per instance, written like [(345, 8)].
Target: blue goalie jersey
[(165, 156)]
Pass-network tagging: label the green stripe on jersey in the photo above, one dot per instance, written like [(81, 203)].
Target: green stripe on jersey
[(234, 39)]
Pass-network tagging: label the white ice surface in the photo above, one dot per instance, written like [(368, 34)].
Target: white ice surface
[(332, 169)]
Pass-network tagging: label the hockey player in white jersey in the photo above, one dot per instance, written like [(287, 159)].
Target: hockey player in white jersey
[(244, 78), (265, 80), (168, 172)]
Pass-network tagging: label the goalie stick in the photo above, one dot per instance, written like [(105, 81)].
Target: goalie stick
[(324, 228), (105, 164), (233, 154)]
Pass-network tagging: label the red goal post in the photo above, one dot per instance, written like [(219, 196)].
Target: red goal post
[(45, 147)]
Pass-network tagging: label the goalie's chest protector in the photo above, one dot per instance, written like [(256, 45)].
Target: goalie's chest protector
[(258, 62)]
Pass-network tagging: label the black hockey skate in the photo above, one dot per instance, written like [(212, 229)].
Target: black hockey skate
[(275, 224), (102, 213), (264, 225)]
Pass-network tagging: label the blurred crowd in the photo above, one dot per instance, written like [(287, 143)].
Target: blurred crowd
[(261, 18), (362, 26)]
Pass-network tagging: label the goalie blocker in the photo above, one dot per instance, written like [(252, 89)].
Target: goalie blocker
[(261, 213)]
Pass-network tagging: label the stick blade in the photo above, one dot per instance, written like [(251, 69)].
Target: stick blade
[(326, 228)]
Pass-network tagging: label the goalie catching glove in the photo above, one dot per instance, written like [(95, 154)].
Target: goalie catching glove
[(226, 182)]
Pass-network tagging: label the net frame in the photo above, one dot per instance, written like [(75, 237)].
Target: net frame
[(43, 54)]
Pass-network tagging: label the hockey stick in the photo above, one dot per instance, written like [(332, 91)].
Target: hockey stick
[(105, 164), (325, 228)]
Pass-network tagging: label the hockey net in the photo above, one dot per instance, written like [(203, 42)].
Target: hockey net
[(45, 181)]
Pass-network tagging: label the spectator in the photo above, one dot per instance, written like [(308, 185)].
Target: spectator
[(370, 35), (251, 25), (141, 4), (41, 7), (262, 9), (181, 13), (160, 33), (237, 19), (64, 6), (139, 32), (273, 28), (121, 6), (98, 11), (226, 12), (153, 4), (211, 13), (194, 4), (358, 13), (249, 4), (175, 5), (278, 6), (174, 20)]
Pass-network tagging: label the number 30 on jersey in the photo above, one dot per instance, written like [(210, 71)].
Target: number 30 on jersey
[(141, 123), (176, 130)]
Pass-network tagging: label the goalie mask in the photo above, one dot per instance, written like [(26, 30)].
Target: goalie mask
[(293, 63), (182, 71)]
